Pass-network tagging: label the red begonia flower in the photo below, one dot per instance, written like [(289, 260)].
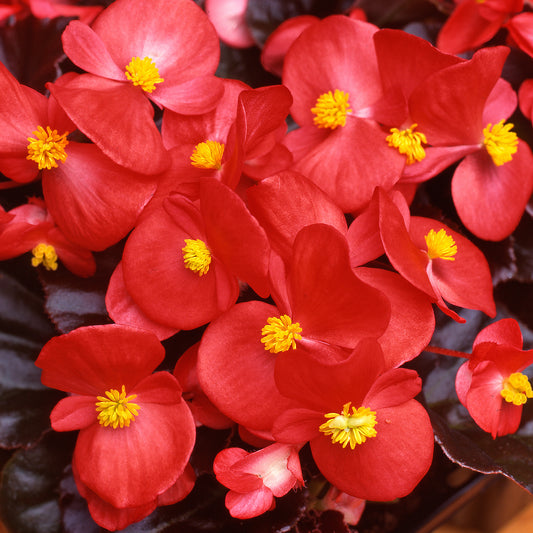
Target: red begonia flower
[(462, 111), (242, 135), (287, 202), (491, 384), (30, 227), (255, 478), (139, 51), (339, 145), (473, 23), (84, 190), (436, 260), (118, 404), (182, 264), (327, 310), (368, 436)]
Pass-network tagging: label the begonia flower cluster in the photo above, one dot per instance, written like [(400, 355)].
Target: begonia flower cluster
[(296, 252)]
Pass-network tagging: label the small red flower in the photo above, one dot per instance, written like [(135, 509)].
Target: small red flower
[(30, 227), (255, 478), (491, 384), (119, 405), (138, 52)]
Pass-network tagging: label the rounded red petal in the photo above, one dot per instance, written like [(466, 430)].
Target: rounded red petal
[(235, 370), (93, 359), (131, 466), (384, 467)]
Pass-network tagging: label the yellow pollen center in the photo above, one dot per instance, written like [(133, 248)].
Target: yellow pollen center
[(280, 334), (352, 428), (207, 155), (47, 147), (196, 256), (331, 109), (516, 389), (143, 73), (500, 142), (116, 409), (408, 142), (440, 245), (44, 254)]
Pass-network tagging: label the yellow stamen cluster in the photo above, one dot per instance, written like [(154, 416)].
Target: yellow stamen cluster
[(440, 245), (116, 409), (44, 254), (280, 334), (408, 142), (47, 147), (196, 256), (208, 155), (143, 73), (331, 109), (354, 428), (516, 389), (501, 143)]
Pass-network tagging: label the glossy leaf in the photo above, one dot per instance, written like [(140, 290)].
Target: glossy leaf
[(25, 403), (28, 493), (73, 302)]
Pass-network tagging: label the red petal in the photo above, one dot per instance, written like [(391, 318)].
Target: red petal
[(451, 117), (466, 281), (176, 35), (490, 199), (384, 467), (93, 200), (506, 331), (86, 50), (281, 39), (107, 516), (190, 97), (98, 107), (229, 19), (405, 60), (251, 504), (156, 276), (331, 303), (321, 60), (467, 28), (350, 181), (123, 310), (412, 319), (234, 235), (235, 370), (74, 412), (486, 405), (148, 457), (93, 359), (287, 202)]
